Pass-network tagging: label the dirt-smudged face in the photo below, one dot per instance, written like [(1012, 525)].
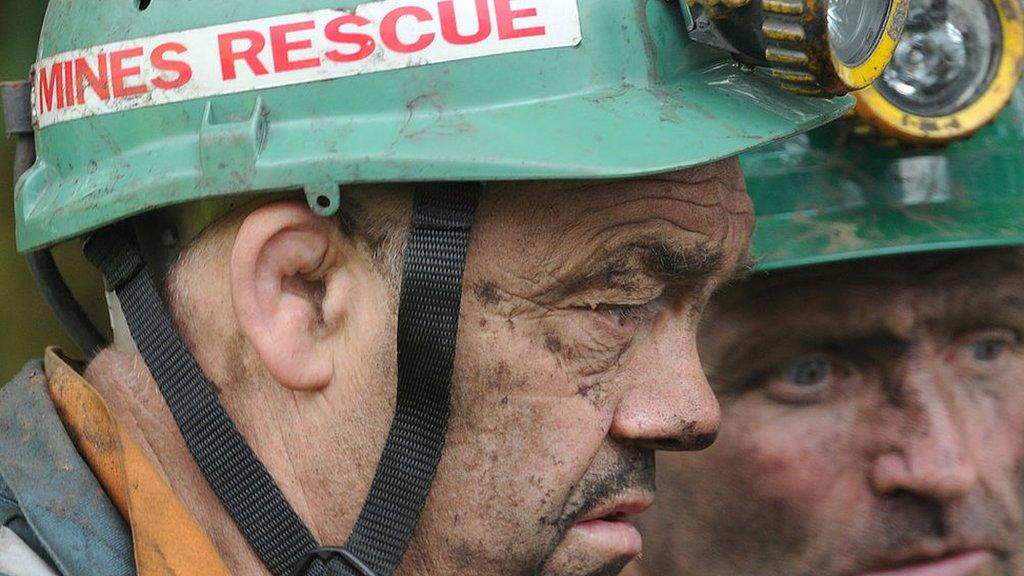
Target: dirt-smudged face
[(873, 420), (576, 360)]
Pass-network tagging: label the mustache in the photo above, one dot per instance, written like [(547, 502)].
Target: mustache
[(633, 470), (908, 521), (912, 517)]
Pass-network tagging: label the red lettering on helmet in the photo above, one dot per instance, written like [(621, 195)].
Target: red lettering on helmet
[(228, 55), (389, 29), (85, 76), (119, 73), (365, 43), (310, 46), (69, 85), (282, 48), (50, 87), (160, 62), (450, 25), (506, 17)]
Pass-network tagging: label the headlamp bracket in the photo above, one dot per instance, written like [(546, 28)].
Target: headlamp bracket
[(725, 26), (705, 32)]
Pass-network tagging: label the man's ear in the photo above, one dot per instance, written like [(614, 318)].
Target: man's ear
[(282, 264)]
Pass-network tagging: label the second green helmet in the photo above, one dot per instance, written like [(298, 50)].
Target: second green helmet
[(887, 180)]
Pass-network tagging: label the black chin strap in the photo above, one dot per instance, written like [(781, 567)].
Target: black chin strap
[(428, 321), (427, 325)]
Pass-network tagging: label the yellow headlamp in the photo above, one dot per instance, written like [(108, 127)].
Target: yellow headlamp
[(814, 47), (955, 70)]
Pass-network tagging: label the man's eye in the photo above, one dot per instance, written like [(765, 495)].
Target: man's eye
[(813, 371), (624, 316), (989, 349), (807, 379), (984, 350), (630, 315)]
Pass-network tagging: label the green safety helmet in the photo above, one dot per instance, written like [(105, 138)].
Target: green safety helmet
[(618, 89), (888, 180), (158, 106)]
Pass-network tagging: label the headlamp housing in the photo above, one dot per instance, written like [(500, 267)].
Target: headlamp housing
[(813, 47), (955, 70)]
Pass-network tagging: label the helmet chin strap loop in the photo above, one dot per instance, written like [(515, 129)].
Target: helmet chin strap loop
[(328, 554), (428, 316)]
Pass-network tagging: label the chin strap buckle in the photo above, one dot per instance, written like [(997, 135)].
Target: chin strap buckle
[(326, 554)]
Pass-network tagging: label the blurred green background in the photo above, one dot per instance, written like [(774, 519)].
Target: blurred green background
[(27, 325)]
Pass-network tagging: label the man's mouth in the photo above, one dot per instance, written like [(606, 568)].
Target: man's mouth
[(957, 562), (609, 527)]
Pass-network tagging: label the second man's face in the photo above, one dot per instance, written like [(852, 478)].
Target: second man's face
[(873, 424)]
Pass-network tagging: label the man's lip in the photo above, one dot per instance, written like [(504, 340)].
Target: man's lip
[(620, 508), (607, 528), (934, 562)]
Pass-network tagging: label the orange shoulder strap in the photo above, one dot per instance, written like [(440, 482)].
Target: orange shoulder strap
[(168, 540)]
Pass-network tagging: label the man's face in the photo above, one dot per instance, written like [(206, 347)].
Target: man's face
[(576, 360), (873, 423)]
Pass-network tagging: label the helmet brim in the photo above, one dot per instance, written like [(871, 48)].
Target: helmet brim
[(620, 133)]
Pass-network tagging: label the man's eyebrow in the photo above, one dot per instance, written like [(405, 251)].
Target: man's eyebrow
[(620, 265), (980, 305)]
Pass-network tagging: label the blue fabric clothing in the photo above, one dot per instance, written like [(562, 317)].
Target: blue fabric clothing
[(48, 495)]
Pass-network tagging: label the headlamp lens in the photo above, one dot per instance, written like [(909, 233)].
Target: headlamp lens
[(948, 57), (855, 28)]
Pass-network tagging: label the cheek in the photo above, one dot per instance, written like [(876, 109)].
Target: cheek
[(796, 460), (1008, 424), (743, 493), (521, 437), (996, 432), (539, 356)]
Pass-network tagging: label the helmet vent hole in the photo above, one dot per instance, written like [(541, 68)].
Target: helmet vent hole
[(143, 4), (323, 201)]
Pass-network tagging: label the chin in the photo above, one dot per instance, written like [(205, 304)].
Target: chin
[(613, 568), (569, 560)]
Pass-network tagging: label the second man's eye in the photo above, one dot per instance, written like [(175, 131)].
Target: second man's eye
[(984, 351), (813, 371), (989, 349), (808, 379)]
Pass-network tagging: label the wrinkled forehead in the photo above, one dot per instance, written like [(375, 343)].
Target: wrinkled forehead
[(535, 222), (709, 185), (892, 294)]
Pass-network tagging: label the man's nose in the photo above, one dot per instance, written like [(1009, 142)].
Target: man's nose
[(931, 457), (674, 411)]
